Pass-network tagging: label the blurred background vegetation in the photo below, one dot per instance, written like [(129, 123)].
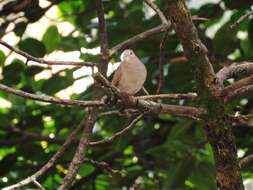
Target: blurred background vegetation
[(163, 152)]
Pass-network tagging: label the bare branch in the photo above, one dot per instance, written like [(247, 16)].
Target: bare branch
[(139, 37), (149, 106), (240, 92), (118, 134), (235, 86), (81, 150), (50, 163), (158, 11), (37, 184), (235, 70), (50, 99), (42, 61), (93, 113), (219, 135), (190, 96), (245, 160), (103, 165), (241, 19), (29, 136), (161, 63)]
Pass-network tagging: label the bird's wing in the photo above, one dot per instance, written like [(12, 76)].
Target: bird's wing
[(117, 77)]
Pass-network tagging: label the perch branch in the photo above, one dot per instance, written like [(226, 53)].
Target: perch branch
[(150, 106)]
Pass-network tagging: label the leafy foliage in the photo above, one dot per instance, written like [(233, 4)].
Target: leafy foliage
[(162, 152)]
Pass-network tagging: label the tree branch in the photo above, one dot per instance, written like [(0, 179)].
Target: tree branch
[(118, 134), (241, 19), (50, 163), (218, 132), (102, 165), (149, 106), (50, 99), (93, 113), (158, 12), (239, 93), (138, 38), (235, 70), (235, 86), (42, 61), (188, 96), (245, 160), (81, 150)]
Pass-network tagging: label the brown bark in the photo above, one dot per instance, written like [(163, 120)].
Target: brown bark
[(218, 132)]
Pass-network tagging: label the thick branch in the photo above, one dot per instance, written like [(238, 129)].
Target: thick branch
[(218, 132), (50, 99), (235, 70), (245, 160), (235, 86), (149, 106), (42, 61), (239, 93)]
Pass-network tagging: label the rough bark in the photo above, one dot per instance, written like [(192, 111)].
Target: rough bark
[(218, 132)]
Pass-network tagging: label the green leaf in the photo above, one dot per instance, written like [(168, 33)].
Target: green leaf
[(51, 38), (33, 70), (33, 47), (225, 42), (2, 57), (57, 83), (20, 28), (12, 73)]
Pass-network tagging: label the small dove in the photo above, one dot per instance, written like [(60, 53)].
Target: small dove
[(131, 74)]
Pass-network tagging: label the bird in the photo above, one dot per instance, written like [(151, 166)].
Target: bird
[(131, 74)]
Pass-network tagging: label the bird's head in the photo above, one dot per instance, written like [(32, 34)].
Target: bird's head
[(127, 54)]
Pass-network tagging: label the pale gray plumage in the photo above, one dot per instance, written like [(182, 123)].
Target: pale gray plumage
[(131, 74)]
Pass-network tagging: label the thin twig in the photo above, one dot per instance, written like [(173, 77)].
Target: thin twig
[(139, 37), (190, 96), (37, 184), (241, 19), (161, 62), (118, 134), (50, 163), (42, 61), (158, 11), (103, 165), (28, 136), (50, 99)]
